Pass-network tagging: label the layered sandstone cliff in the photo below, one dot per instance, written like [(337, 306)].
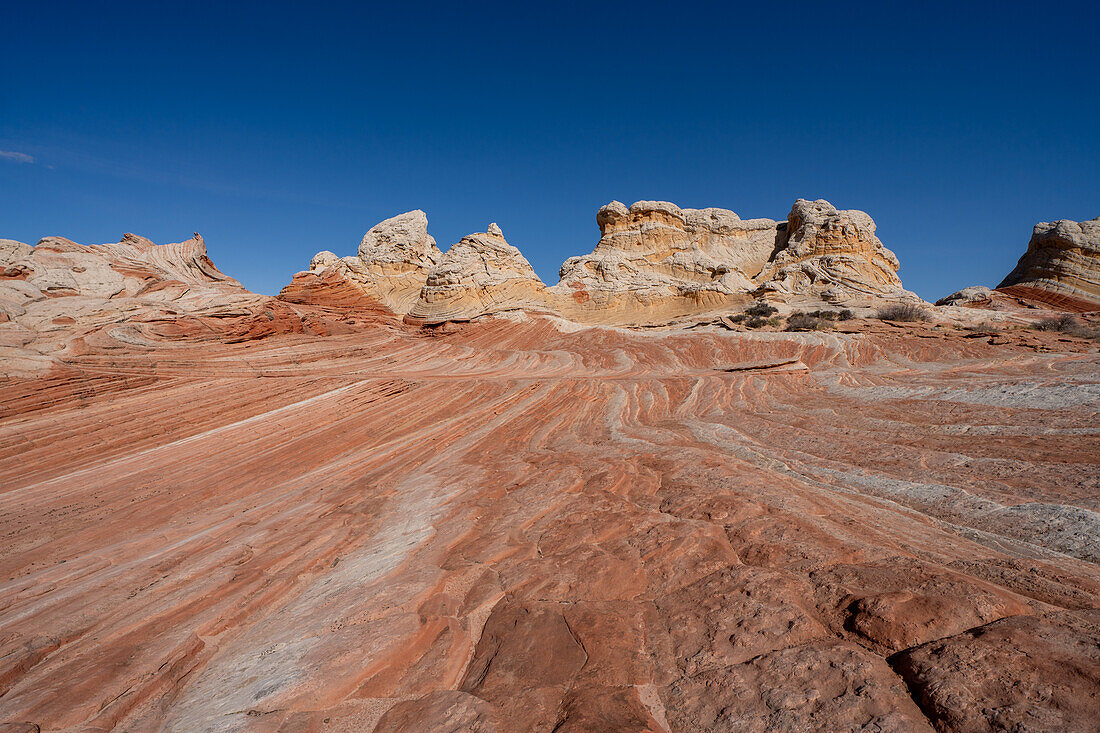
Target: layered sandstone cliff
[(1062, 260), (833, 254), (655, 263)]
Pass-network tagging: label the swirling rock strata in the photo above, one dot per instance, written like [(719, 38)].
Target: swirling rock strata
[(832, 254), (1062, 260), (258, 514)]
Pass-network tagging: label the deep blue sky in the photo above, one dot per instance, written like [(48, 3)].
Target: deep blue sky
[(280, 129)]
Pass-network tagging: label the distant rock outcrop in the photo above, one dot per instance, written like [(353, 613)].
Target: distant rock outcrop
[(656, 260), (832, 254), (59, 285), (480, 274), (655, 263), (391, 266), (1062, 259)]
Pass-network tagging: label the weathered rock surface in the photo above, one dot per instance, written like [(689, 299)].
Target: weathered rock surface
[(973, 295), (1038, 675), (481, 274), (655, 261), (391, 266), (1062, 259), (832, 254), (222, 511)]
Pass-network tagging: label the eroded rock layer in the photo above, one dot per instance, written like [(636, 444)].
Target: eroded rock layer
[(833, 254), (655, 263), (269, 515), (479, 275), (1062, 260)]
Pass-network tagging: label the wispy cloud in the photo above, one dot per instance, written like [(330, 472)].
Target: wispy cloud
[(17, 157)]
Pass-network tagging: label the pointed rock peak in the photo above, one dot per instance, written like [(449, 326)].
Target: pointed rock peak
[(402, 238), (495, 230), (136, 240)]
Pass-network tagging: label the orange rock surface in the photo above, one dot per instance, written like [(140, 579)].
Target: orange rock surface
[(303, 514)]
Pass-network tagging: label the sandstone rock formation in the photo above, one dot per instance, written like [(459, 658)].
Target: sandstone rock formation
[(58, 297), (655, 261), (481, 274), (391, 266), (223, 511), (975, 294), (1063, 261), (832, 254), (503, 526)]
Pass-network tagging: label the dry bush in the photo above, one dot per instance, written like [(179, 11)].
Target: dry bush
[(760, 309), (1068, 325), (799, 321), (907, 312)]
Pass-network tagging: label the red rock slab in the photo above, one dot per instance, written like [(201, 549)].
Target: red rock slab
[(1018, 673), (518, 527)]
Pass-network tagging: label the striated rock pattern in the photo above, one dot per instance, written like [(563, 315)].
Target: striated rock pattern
[(228, 512), (55, 293), (1062, 259), (479, 275), (833, 254)]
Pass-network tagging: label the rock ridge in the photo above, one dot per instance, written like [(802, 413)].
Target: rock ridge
[(655, 262)]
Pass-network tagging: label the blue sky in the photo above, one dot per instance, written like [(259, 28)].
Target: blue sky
[(280, 129)]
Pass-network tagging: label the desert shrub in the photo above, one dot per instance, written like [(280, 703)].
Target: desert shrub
[(775, 321), (1068, 325), (1062, 324), (760, 309), (756, 322), (845, 315), (738, 318), (804, 322), (903, 312)]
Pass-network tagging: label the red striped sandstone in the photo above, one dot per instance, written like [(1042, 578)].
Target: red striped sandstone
[(228, 512)]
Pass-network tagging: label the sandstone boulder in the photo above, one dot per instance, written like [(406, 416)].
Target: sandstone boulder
[(1062, 259), (832, 254), (975, 294), (481, 274)]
